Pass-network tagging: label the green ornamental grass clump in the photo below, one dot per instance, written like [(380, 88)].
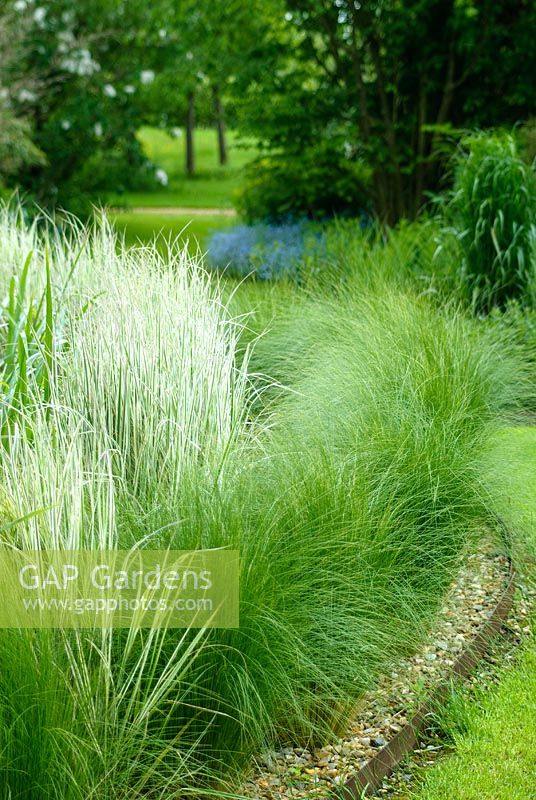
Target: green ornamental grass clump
[(494, 208), (351, 500)]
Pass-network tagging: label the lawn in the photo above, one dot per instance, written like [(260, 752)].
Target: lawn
[(213, 185), (193, 230), (496, 754)]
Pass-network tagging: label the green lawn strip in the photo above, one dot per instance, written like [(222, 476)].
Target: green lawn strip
[(496, 755), (145, 227), (518, 451), (213, 186)]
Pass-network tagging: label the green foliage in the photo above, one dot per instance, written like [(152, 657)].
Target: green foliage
[(17, 149), (78, 81), (526, 138), (516, 325), (351, 507), (16, 146), (83, 79), (494, 210), (398, 78), (371, 257), (320, 181)]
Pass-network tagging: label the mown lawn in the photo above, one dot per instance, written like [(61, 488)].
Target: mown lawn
[(213, 186), (496, 757), (195, 231)]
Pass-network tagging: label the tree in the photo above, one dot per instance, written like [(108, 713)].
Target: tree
[(16, 146), (394, 78), (207, 47), (94, 66)]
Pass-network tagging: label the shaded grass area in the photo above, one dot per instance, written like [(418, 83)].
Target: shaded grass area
[(213, 186)]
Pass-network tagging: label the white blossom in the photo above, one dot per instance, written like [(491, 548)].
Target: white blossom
[(189, 55), (66, 41), (66, 124), (27, 96), (20, 5), (162, 33), (176, 132), (147, 76), (109, 90), (80, 62), (39, 16), (70, 65), (98, 129), (129, 89), (161, 176)]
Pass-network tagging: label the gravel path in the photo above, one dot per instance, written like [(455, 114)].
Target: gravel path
[(298, 773)]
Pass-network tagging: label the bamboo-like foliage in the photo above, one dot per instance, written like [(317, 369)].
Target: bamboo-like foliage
[(494, 207)]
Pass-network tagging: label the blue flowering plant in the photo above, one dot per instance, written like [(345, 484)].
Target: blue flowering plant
[(268, 252)]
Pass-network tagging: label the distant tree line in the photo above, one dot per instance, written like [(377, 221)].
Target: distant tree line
[(353, 103)]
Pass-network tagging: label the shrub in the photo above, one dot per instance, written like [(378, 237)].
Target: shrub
[(121, 168), (516, 326), (494, 206), (319, 182), (370, 257), (526, 137)]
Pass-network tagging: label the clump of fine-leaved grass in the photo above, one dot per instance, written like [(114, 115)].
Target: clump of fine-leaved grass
[(351, 504)]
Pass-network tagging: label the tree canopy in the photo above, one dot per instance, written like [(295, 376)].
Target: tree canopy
[(367, 91), (392, 80)]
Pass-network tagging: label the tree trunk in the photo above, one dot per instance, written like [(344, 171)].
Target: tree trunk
[(420, 149), (220, 124), (396, 205), (190, 126)]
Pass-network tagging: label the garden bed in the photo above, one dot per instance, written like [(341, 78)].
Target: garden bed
[(385, 710), (352, 497)]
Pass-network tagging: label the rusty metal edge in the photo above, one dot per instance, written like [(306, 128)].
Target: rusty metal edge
[(370, 776)]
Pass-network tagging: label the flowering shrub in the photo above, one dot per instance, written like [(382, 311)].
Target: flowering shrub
[(267, 251)]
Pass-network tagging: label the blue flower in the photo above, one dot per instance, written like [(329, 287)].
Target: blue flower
[(267, 251)]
